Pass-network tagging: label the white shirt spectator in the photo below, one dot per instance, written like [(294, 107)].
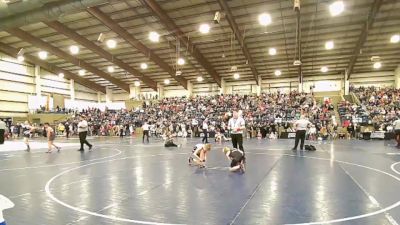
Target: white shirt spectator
[(2, 125), (82, 126), (145, 126), (205, 126), (396, 124)]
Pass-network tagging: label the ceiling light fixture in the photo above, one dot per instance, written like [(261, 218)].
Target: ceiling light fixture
[(329, 45), (272, 51), (111, 43), (81, 72), (154, 36), (236, 76), (336, 8), (110, 69), (74, 49), (395, 38), (20, 58), (61, 75), (181, 61), (166, 81), (204, 28), (324, 69), (264, 19), (42, 55), (278, 73), (137, 83), (377, 65), (143, 66), (200, 79)]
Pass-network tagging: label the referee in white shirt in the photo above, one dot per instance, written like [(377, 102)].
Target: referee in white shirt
[(237, 125), (301, 128), (146, 129), (83, 130), (205, 131)]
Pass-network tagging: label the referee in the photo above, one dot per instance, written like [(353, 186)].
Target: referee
[(301, 127), (83, 130), (236, 125)]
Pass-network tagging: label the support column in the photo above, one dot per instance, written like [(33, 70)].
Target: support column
[(300, 90), (38, 81), (258, 91), (346, 84), (98, 97), (109, 95), (160, 91), (134, 92), (72, 89), (397, 77), (222, 90), (190, 89)]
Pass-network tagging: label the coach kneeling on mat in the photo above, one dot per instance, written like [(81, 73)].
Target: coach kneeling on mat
[(301, 128)]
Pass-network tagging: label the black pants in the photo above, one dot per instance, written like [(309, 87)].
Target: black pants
[(205, 138), (300, 134), (121, 133), (170, 144), (67, 132), (237, 139), (146, 133), (82, 139), (2, 131)]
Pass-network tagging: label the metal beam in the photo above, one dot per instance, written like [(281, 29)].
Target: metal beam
[(68, 32), (6, 49), (173, 28), (231, 20), (298, 41), (27, 37), (106, 20), (363, 36)]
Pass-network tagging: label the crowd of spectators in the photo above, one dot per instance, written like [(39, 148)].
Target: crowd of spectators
[(378, 108), (266, 115)]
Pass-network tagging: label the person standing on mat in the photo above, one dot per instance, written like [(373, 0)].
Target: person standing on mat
[(205, 131), (146, 129), (301, 127), (396, 125), (51, 135), (83, 130), (2, 131), (236, 125)]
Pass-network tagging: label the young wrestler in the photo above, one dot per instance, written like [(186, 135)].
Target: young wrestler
[(237, 159), (27, 131), (51, 135), (169, 141), (199, 155)]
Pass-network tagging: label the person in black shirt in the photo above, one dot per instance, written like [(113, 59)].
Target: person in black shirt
[(237, 159)]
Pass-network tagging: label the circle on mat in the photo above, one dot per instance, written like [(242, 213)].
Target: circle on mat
[(115, 218)]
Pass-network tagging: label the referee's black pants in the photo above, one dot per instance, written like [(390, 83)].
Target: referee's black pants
[(205, 137), (300, 135), (145, 134), (237, 140), (82, 139)]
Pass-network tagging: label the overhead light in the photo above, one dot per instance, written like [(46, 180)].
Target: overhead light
[(329, 45), (204, 28), (74, 49), (42, 55), (81, 72), (377, 65), (233, 68), (20, 58), (278, 72), (199, 79), (395, 38), (143, 66), (61, 75), (264, 19), (110, 69), (272, 51), (178, 73), (137, 83), (336, 8), (181, 61), (236, 76), (166, 81), (154, 36), (111, 43), (324, 69)]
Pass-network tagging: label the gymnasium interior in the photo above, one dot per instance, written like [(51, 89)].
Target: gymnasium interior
[(141, 88)]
